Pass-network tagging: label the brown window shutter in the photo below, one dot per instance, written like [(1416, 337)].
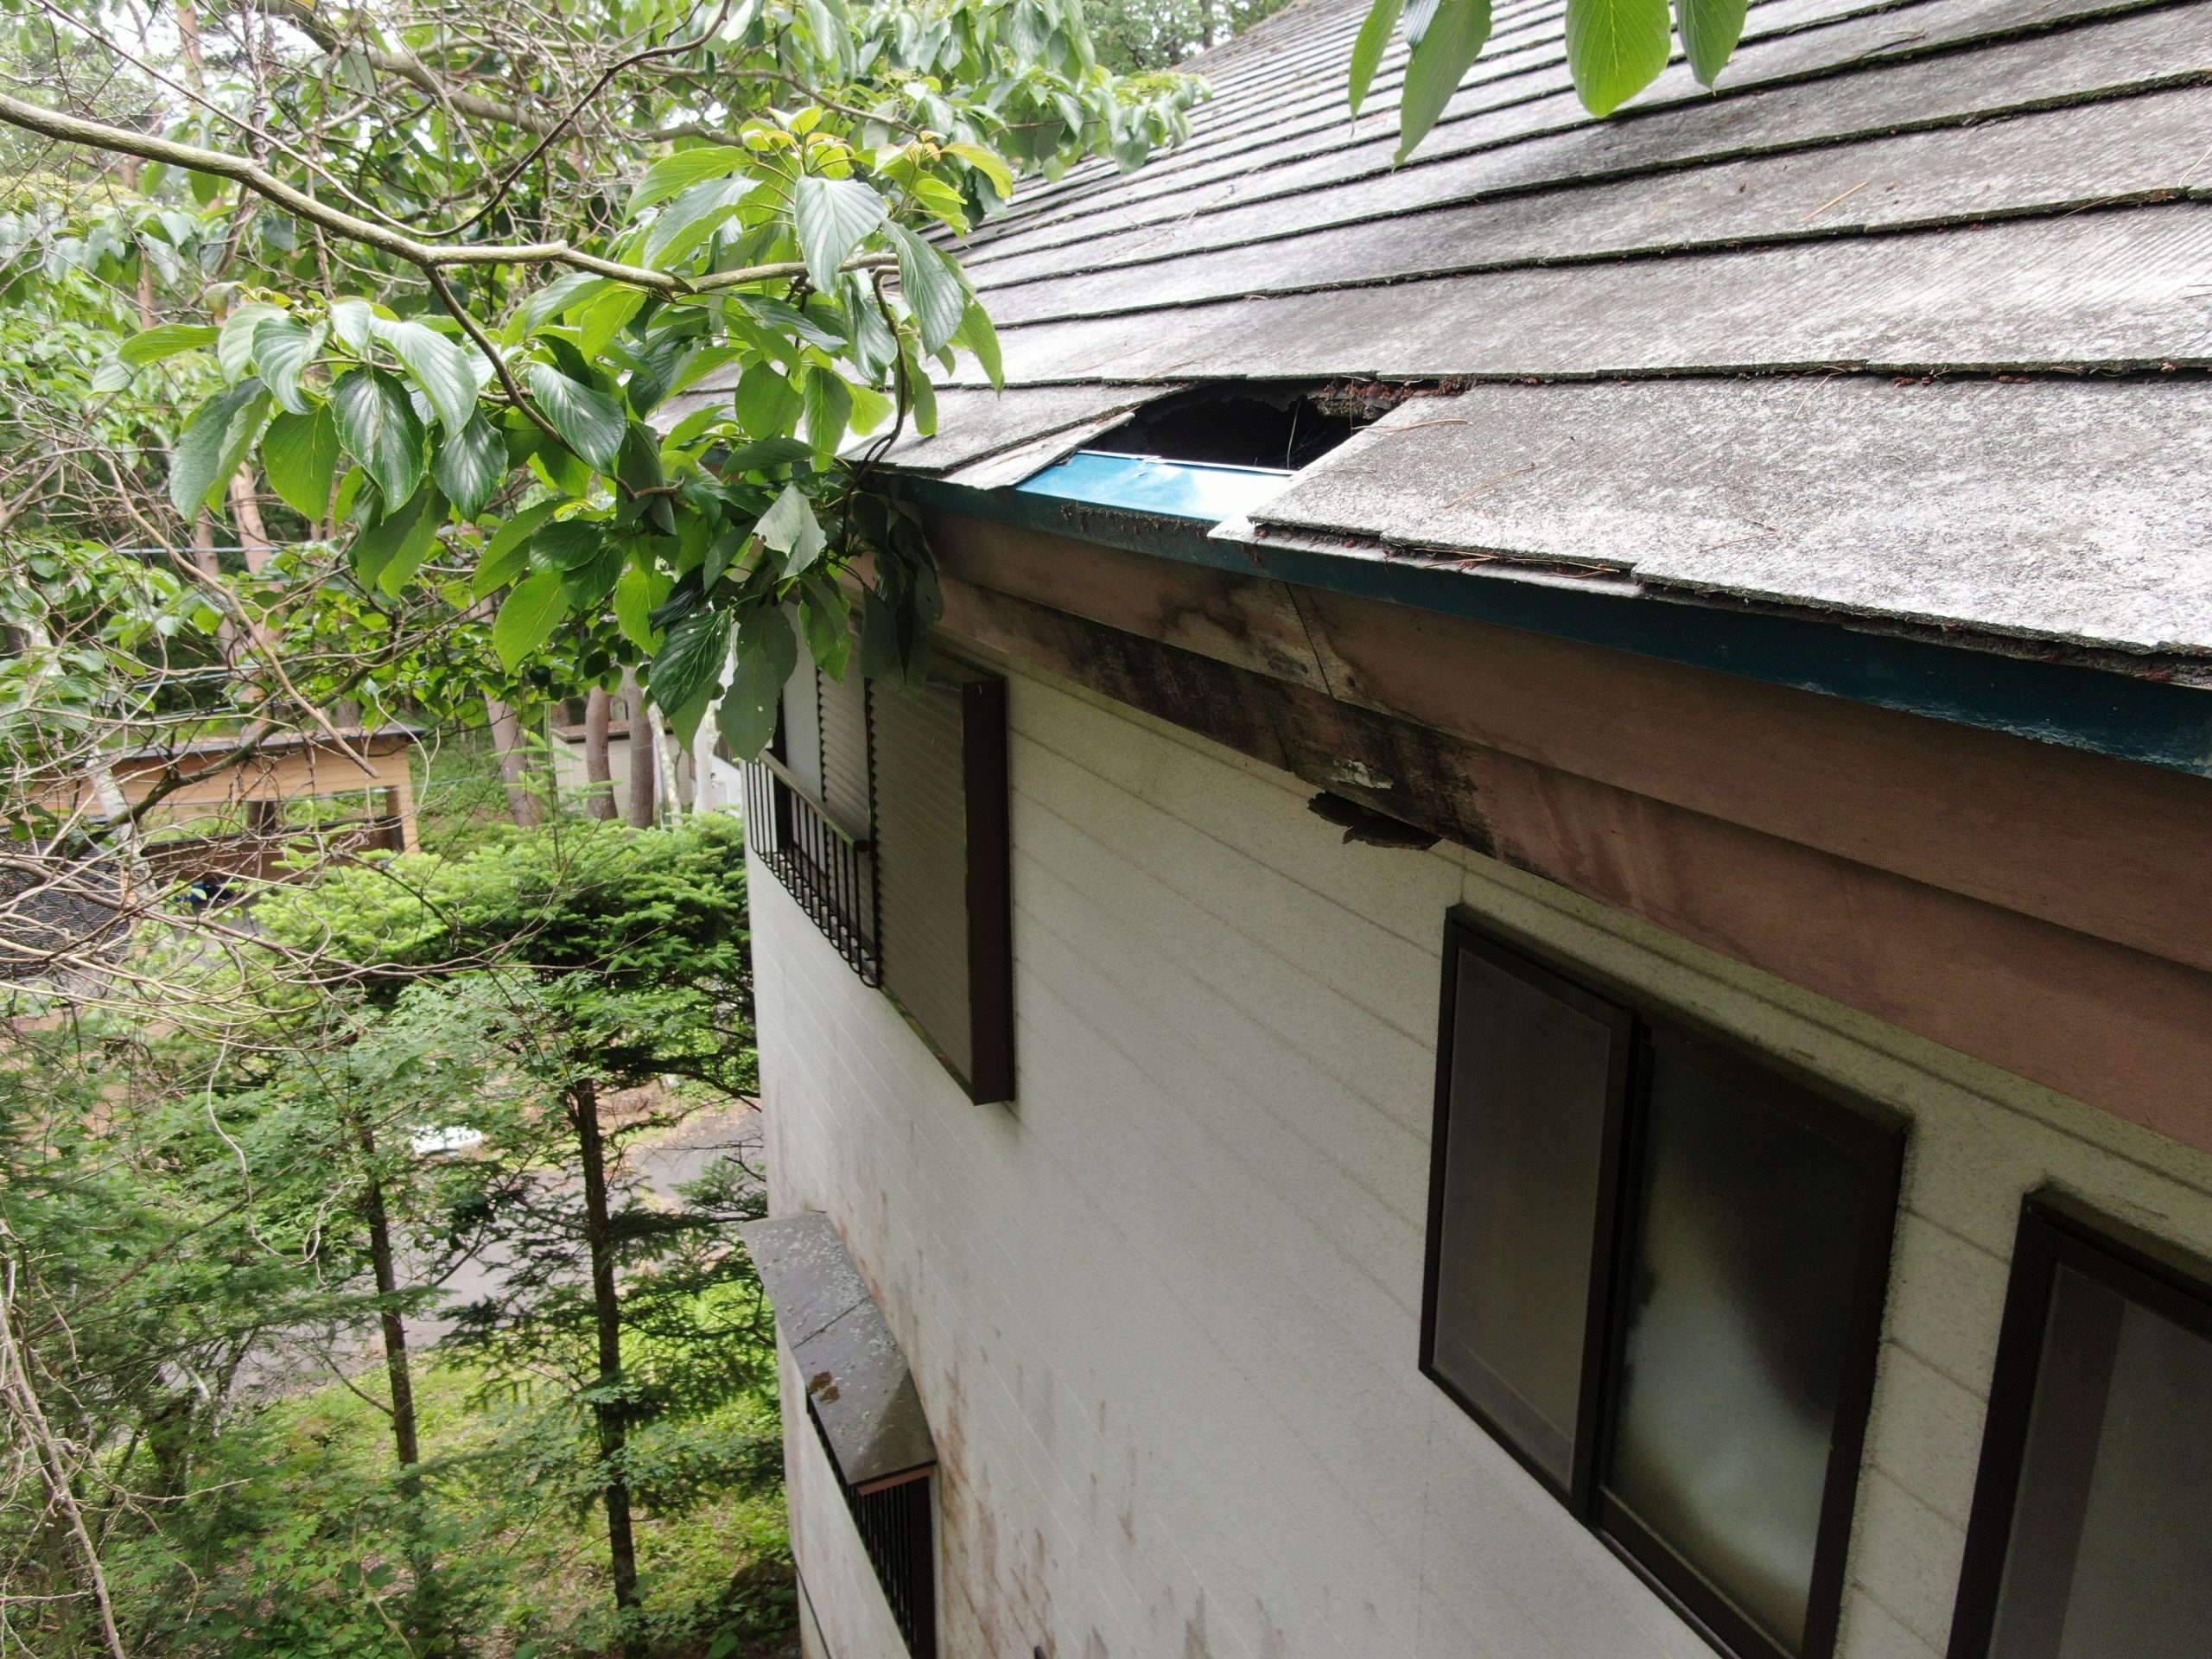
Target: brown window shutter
[(841, 710), (942, 836)]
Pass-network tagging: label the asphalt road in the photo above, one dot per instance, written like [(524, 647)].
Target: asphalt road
[(660, 1164)]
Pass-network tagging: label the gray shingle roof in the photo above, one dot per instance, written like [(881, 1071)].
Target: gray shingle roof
[(1958, 190)]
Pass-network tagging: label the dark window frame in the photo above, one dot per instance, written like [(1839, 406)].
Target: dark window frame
[(828, 867), (1870, 1134), (2056, 1230), (1619, 1079), (835, 871)]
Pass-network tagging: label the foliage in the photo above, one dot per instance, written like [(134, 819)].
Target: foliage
[(1135, 35), (1615, 48), (187, 1229), (456, 282)]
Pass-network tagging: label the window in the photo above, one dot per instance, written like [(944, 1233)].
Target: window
[(885, 814), (865, 1407), (1655, 1272), (809, 810), (2092, 1526)]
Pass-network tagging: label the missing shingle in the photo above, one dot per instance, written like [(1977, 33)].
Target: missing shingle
[(1282, 425)]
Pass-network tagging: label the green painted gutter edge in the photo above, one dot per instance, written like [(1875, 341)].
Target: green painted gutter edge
[(2155, 722)]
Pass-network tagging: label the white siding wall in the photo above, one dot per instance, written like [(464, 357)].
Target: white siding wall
[(1163, 1312)]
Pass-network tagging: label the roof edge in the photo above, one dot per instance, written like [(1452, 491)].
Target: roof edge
[(2128, 716)]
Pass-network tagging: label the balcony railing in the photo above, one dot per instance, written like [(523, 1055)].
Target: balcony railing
[(828, 867)]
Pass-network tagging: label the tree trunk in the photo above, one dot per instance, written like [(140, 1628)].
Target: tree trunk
[(703, 762), (642, 767), (663, 760), (245, 514), (514, 763), (599, 771), (406, 1444), (606, 1311), (187, 34)]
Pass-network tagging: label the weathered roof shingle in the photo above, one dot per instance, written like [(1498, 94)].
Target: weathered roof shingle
[(1680, 332)]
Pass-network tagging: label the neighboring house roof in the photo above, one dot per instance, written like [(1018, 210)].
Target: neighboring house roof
[(1906, 321), (372, 739)]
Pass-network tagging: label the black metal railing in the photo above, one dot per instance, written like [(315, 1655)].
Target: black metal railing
[(898, 1527), (828, 867)]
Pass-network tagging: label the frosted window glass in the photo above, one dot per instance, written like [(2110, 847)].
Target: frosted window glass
[(1748, 1236), (2111, 1552), (1529, 1076)]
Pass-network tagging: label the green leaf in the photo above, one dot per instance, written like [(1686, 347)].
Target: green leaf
[(932, 287), (300, 455), (700, 364), (529, 614), (589, 422), (377, 423), (765, 403), (165, 340), (921, 394), (687, 666), (768, 451), (469, 465), (518, 530), (692, 217), (637, 590), (507, 555), (990, 165), (283, 347), (388, 554), (675, 174), (790, 527), (352, 322), (494, 574), (561, 296), (439, 368), (569, 545), (833, 216), (691, 428), (588, 584), (828, 410), (827, 619), (1453, 41), (979, 337), (1367, 51), (211, 446), (234, 344), (113, 374), (604, 318), (1615, 48), (767, 653), (942, 201), (1710, 30)]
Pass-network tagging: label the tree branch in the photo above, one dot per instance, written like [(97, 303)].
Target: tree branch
[(428, 255), (410, 68)]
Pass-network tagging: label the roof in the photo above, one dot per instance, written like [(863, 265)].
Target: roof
[(858, 1387), (372, 740), (1908, 321)]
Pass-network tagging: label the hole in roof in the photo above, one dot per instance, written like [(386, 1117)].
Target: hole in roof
[(1215, 452), (1279, 425)]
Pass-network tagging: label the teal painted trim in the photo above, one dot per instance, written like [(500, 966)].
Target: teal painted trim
[(2156, 722), (1173, 489)]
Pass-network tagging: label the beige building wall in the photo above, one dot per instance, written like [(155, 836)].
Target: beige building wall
[(1163, 1310)]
